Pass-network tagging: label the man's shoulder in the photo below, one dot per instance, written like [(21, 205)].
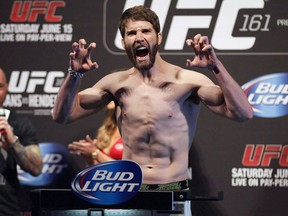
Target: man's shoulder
[(190, 73), (14, 115), (195, 78), (18, 118), (182, 71), (121, 72), (118, 75)]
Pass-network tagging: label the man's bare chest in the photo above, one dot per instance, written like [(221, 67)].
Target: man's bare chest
[(155, 91)]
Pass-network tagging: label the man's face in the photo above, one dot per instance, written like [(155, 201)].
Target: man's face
[(141, 43)]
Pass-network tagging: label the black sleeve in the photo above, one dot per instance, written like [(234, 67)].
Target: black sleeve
[(23, 128)]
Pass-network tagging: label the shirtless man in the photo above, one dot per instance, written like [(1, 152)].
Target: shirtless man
[(157, 102)]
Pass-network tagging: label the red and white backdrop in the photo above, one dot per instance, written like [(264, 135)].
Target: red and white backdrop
[(247, 161)]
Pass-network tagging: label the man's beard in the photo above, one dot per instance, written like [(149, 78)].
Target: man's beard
[(144, 65)]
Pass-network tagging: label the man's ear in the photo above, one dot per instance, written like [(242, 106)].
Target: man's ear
[(122, 42), (159, 38)]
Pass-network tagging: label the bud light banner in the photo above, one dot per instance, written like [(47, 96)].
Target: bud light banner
[(55, 164), (108, 183), (268, 95)]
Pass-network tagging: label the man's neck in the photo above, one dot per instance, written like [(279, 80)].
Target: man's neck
[(155, 69)]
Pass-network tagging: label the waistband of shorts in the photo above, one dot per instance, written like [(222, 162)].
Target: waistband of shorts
[(181, 185)]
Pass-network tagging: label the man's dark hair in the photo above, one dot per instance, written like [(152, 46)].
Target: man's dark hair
[(136, 13)]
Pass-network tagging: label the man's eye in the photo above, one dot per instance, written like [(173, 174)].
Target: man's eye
[(131, 33)]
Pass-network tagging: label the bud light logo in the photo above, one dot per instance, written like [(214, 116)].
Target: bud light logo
[(108, 183), (268, 95), (55, 164)]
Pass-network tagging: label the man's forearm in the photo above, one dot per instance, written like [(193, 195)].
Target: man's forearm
[(66, 99), (235, 99), (28, 158)]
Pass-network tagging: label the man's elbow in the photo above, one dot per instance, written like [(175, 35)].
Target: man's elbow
[(36, 172), (246, 115), (244, 119), (61, 119), (37, 169)]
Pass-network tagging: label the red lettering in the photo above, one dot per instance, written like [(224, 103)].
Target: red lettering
[(50, 16), (252, 160), (284, 157), (18, 15), (38, 8), (256, 155), (271, 151), (23, 11)]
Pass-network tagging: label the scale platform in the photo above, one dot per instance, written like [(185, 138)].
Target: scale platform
[(63, 202)]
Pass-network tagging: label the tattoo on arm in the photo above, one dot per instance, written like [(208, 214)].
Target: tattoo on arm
[(28, 158)]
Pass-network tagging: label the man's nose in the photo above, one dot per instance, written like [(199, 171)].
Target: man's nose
[(139, 37)]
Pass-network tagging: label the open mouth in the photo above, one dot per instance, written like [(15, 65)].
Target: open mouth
[(141, 51)]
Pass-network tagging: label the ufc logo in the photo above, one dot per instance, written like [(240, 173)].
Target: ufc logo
[(222, 37), (23, 11), (28, 81), (262, 155)]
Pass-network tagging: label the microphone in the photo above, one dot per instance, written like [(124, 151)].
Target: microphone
[(2, 131)]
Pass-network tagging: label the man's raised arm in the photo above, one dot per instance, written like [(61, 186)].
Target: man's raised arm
[(67, 105), (229, 100)]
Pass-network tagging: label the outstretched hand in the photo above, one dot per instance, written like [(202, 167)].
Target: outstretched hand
[(205, 56), (80, 58), (83, 147)]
